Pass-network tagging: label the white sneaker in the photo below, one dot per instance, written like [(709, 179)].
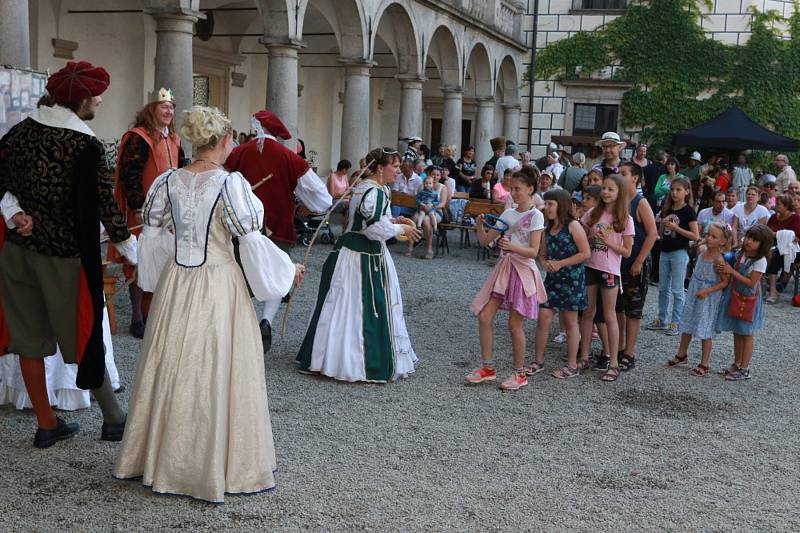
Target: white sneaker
[(561, 338)]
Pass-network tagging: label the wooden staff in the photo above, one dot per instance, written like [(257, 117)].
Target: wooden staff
[(328, 213)]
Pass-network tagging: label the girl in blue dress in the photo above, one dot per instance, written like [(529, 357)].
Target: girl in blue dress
[(562, 254), (746, 271), (699, 317)]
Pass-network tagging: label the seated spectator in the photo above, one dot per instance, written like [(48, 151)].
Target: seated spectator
[(547, 182), (448, 181), (427, 212), (407, 182), (482, 188), (466, 168), (502, 189)]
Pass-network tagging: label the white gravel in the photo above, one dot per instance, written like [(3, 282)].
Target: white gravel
[(657, 451)]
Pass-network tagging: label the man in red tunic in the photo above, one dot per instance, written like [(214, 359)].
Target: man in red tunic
[(292, 179), (146, 151)]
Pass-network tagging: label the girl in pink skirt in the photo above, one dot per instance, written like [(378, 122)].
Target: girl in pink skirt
[(515, 284)]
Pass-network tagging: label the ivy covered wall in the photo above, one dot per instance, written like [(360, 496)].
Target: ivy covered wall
[(681, 76)]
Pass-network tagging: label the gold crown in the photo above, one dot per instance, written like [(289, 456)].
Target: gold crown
[(165, 95)]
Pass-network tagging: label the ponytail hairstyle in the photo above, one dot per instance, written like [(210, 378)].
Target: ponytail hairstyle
[(619, 211), (683, 182)]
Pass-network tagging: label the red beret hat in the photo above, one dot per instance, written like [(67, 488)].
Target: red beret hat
[(272, 124), (76, 81)]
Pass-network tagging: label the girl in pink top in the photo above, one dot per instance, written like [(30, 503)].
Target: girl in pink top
[(338, 185), (610, 230)]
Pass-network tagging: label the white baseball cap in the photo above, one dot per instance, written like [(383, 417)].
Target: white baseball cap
[(696, 156)]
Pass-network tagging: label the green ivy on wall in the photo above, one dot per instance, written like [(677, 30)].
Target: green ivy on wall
[(681, 77)]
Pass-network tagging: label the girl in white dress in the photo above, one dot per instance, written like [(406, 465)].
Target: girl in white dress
[(198, 421)]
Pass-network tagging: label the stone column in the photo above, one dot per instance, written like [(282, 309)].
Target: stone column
[(15, 47), (484, 129), (174, 30), (451, 118), (355, 112), (282, 90), (410, 109), (511, 122)]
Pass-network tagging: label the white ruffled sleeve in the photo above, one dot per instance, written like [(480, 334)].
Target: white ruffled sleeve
[(312, 192), (268, 269), (156, 243), (379, 225)]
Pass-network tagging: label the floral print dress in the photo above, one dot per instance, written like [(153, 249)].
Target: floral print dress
[(566, 289)]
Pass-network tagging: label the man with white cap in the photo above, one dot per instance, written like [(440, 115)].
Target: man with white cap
[(786, 173), (554, 166), (414, 150), (611, 145), (291, 179)]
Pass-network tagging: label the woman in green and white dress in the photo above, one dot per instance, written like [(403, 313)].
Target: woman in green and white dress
[(357, 331)]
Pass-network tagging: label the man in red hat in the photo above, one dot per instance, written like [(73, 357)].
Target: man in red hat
[(292, 179), (54, 198), (146, 151)]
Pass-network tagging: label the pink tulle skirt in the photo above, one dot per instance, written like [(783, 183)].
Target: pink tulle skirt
[(515, 299)]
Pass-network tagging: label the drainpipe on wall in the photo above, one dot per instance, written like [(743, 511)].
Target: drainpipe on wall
[(532, 76)]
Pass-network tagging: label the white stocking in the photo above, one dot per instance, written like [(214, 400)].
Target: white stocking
[(270, 310)]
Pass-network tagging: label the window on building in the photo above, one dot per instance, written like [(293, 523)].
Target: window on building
[(599, 4), (594, 119)]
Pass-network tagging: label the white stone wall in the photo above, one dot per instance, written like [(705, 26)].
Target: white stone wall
[(727, 21)]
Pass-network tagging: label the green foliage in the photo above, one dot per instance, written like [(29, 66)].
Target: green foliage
[(681, 76)]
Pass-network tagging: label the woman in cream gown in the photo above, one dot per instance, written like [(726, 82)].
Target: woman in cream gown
[(198, 422)]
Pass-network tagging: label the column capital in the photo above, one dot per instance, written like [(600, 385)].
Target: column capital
[(485, 101), (410, 79), (174, 18), (511, 107), (453, 92), (356, 67), (279, 44)]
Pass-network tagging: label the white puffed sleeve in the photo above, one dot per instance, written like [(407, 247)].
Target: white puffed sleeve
[(379, 225), (269, 271), (156, 243), (312, 192)]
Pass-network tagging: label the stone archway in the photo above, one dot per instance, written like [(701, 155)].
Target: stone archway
[(480, 85), (397, 32), (442, 49), (508, 82)]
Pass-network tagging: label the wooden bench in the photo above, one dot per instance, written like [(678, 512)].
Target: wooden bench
[(474, 208)]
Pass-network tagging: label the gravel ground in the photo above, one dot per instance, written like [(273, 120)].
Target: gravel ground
[(658, 450)]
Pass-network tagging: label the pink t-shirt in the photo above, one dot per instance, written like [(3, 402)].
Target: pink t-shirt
[(603, 258)]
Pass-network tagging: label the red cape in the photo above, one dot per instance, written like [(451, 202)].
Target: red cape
[(277, 193)]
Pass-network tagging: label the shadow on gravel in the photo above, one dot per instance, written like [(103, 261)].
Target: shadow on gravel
[(673, 405)]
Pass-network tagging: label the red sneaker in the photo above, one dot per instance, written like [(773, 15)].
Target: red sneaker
[(481, 374)]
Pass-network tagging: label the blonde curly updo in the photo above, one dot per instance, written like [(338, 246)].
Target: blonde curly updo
[(204, 127)]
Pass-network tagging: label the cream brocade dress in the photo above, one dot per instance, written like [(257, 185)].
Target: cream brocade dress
[(198, 422)]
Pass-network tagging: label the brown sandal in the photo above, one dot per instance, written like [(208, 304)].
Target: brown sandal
[(677, 360), (611, 375), (700, 371)]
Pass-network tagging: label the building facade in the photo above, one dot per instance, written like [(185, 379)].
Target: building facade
[(344, 75), (589, 106)]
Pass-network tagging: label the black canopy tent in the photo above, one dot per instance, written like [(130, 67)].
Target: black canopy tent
[(734, 130)]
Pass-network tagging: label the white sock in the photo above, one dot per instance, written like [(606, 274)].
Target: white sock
[(270, 310)]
